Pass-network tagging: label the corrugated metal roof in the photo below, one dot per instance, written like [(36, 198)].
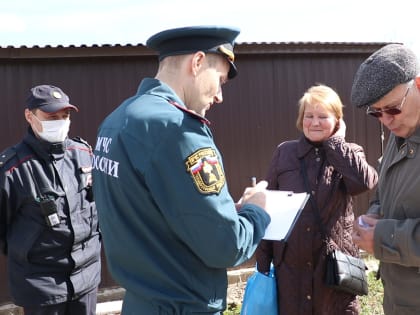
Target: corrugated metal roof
[(136, 50), (307, 47)]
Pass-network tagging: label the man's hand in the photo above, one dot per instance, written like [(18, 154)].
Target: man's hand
[(363, 232), (255, 195)]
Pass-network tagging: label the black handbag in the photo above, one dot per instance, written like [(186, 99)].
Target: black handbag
[(343, 272), (346, 273)]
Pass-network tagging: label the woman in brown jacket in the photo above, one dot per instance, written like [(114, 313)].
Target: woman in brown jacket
[(336, 171)]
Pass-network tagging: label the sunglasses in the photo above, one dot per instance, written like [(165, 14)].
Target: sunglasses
[(390, 111)]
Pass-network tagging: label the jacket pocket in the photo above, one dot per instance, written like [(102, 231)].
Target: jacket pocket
[(22, 237)]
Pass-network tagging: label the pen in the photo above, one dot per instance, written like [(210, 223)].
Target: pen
[(253, 181)]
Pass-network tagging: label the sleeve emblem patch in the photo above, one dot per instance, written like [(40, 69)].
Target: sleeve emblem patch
[(206, 171)]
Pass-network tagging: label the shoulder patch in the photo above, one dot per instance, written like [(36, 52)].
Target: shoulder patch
[(78, 139), (206, 171), (6, 155)]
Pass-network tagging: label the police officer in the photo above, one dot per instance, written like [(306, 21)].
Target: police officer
[(48, 220), (169, 224)]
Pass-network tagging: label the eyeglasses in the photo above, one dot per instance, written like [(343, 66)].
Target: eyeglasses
[(390, 111)]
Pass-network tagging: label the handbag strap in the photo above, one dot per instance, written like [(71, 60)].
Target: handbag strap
[(313, 203)]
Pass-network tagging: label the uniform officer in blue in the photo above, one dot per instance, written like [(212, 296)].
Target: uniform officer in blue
[(169, 224), (48, 220)]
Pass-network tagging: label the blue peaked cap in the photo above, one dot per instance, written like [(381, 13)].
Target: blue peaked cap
[(185, 40)]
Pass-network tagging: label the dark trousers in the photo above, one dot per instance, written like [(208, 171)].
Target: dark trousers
[(85, 305)]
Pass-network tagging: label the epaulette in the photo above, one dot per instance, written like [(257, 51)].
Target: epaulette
[(78, 139), (6, 155)]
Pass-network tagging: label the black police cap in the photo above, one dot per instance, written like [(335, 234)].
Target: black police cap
[(49, 99), (185, 40)]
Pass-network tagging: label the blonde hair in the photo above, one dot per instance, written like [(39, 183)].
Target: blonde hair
[(321, 95)]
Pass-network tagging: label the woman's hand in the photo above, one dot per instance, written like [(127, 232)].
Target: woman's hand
[(341, 128)]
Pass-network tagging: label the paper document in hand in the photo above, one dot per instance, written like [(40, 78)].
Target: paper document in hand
[(284, 208)]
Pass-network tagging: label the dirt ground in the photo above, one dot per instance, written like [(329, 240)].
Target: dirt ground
[(236, 287), (235, 293)]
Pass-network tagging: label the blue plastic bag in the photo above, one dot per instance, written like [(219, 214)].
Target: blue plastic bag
[(260, 296)]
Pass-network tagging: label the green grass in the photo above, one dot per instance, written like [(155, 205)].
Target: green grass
[(371, 304), (233, 309)]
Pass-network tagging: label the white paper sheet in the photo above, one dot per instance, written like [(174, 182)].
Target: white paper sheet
[(284, 208)]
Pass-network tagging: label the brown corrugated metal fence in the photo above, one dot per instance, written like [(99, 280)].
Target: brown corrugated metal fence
[(258, 112)]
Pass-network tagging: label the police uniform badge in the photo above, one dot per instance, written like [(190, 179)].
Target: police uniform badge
[(206, 171)]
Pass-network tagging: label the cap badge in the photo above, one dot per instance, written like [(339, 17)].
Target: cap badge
[(229, 53), (56, 94)]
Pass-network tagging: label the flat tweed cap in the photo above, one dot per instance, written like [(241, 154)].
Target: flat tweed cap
[(386, 68)]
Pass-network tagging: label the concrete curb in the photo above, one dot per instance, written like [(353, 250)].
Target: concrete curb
[(109, 308), (239, 275), (10, 309)]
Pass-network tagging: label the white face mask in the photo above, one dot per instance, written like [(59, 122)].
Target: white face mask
[(53, 130)]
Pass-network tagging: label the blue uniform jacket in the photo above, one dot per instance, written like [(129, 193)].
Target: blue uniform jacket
[(169, 224), (49, 264)]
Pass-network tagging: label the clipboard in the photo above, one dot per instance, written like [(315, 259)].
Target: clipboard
[(284, 208)]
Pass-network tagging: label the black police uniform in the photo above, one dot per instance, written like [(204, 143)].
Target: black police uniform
[(48, 221)]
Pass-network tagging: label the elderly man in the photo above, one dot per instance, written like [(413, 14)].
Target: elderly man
[(387, 85)]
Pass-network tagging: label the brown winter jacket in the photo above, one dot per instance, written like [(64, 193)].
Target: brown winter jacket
[(336, 170)]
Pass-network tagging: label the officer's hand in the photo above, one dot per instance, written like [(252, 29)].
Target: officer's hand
[(255, 195)]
